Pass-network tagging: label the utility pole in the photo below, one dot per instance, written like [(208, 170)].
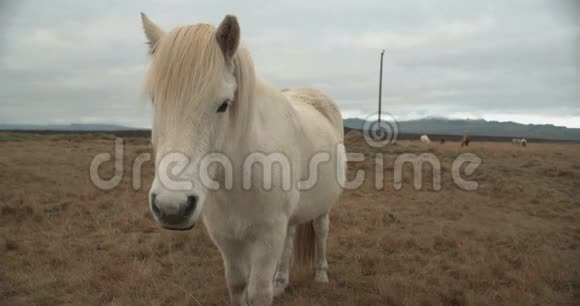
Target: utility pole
[(381, 87)]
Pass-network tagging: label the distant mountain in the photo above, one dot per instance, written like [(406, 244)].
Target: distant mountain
[(66, 127), (429, 126), (479, 127)]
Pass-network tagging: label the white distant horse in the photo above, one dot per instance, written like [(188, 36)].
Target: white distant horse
[(519, 141), (425, 139), (208, 100)]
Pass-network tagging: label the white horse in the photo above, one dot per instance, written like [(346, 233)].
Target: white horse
[(425, 139), (209, 102), (519, 141)]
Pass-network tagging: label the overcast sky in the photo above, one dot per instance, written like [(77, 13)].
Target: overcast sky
[(84, 61)]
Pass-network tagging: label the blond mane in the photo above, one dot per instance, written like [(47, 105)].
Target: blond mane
[(187, 62)]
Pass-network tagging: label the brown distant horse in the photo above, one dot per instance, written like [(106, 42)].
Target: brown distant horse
[(465, 141)]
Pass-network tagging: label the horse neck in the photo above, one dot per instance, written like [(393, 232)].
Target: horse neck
[(257, 115), (261, 104)]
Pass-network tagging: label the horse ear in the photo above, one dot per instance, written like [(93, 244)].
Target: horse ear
[(152, 31), (228, 36)]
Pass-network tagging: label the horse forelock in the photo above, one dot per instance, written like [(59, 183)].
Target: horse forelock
[(185, 64)]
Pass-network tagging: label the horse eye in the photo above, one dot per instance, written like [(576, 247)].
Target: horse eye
[(224, 106)]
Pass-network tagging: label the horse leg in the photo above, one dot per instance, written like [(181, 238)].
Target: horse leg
[(321, 227), (237, 270), (266, 251), (282, 278)]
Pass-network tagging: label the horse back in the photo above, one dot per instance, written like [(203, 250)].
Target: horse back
[(319, 102)]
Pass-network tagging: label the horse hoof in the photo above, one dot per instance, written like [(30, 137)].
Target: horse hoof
[(279, 286), (278, 290), (321, 277)]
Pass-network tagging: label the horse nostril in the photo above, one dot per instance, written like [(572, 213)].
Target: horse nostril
[(190, 205), (156, 210)]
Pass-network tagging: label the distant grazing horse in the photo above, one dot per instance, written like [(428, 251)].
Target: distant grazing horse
[(520, 142), (210, 107), (425, 139), (465, 141), (442, 140)]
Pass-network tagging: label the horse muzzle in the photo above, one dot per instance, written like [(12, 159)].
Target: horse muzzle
[(174, 211)]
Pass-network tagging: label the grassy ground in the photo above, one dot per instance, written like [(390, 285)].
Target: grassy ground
[(514, 241)]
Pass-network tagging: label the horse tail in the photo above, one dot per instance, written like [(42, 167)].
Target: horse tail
[(305, 244)]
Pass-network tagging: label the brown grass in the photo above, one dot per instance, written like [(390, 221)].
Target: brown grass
[(514, 241)]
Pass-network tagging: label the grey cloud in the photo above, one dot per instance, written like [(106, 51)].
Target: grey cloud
[(72, 61)]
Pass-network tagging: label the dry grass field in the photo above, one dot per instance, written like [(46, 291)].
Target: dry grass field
[(514, 241)]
